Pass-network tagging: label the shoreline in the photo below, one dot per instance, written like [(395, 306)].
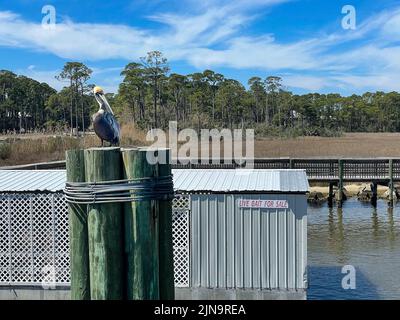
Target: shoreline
[(351, 189), (319, 194)]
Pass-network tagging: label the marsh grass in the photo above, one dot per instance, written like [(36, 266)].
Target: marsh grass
[(23, 150), (357, 145), (352, 145)]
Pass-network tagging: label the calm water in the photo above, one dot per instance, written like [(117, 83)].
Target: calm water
[(358, 235)]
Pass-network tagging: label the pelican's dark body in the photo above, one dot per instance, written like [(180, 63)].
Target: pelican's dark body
[(104, 123), (106, 127)]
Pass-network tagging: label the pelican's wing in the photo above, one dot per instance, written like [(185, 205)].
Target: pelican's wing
[(114, 125)]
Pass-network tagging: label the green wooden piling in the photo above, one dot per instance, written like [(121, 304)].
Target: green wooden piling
[(105, 228), (340, 184), (78, 231), (141, 232), (167, 285), (391, 183)]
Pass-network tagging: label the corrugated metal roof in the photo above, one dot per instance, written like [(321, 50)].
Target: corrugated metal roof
[(188, 180), (32, 180), (240, 180)]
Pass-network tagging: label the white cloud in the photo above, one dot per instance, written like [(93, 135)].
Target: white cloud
[(392, 26), (262, 52), (47, 76), (373, 82), (311, 83), (87, 41), (214, 35), (108, 78)]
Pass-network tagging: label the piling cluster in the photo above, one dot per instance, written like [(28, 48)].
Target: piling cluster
[(120, 250)]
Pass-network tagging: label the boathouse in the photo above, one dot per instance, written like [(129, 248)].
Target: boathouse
[(237, 233)]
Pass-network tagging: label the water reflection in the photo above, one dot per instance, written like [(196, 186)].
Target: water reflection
[(392, 234), (360, 235), (336, 232), (375, 223)]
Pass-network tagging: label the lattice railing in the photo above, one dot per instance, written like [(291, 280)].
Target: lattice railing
[(320, 169), (372, 168), (34, 240)]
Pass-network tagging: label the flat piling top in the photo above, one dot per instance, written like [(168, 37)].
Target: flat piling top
[(129, 149), (103, 148)]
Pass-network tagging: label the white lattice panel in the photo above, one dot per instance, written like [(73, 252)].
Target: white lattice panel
[(62, 233), (180, 235), (4, 241), (34, 240)]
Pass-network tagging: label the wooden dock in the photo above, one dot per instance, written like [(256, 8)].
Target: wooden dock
[(319, 170), (335, 172)]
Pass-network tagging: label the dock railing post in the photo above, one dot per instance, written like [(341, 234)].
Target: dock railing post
[(291, 163), (78, 231)]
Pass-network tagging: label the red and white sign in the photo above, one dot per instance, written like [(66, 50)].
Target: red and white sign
[(269, 204)]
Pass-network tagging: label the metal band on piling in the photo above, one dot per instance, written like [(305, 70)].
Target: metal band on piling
[(141, 189)]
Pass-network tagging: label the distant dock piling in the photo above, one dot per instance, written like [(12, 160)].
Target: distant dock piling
[(330, 195), (340, 195), (374, 197), (391, 184)]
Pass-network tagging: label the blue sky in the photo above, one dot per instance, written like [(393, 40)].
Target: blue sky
[(300, 40)]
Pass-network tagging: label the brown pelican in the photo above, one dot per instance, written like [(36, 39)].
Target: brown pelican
[(104, 123)]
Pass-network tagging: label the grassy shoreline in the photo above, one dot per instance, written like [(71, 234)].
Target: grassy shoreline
[(32, 148), (351, 189)]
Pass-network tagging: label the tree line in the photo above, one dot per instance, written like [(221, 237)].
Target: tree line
[(150, 96)]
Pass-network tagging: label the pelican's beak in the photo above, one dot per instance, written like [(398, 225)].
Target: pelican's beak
[(101, 99)]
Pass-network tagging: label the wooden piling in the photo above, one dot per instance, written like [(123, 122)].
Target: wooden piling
[(78, 231), (105, 228), (141, 232), (391, 183), (167, 285), (374, 197), (330, 195), (340, 184)]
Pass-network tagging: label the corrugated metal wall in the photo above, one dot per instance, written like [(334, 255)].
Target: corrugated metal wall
[(234, 247)]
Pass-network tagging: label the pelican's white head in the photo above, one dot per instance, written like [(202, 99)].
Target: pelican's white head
[(98, 89)]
